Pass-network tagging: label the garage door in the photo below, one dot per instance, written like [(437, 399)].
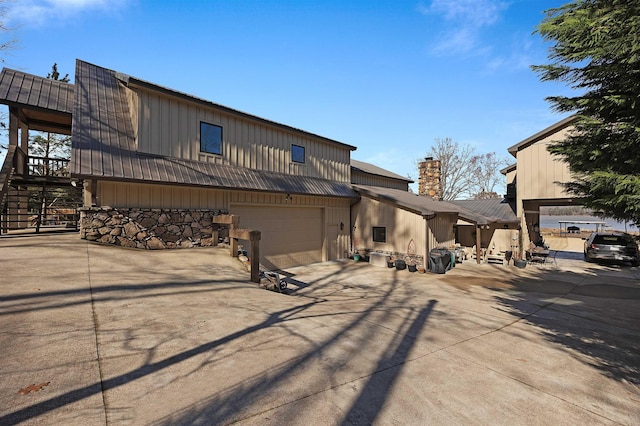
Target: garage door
[(290, 236)]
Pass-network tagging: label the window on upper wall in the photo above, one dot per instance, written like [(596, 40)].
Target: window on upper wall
[(297, 154), (210, 138), (379, 234)]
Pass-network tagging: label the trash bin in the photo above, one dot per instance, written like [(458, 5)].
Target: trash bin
[(439, 260)]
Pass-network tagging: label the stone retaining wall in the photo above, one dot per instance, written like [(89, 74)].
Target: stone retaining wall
[(150, 229)]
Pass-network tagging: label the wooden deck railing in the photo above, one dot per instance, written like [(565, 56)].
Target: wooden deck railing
[(43, 166)]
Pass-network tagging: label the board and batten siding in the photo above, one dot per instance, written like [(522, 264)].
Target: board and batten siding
[(170, 126), (143, 195), (441, 233), (539, 172), (401, 225), (374, 180)]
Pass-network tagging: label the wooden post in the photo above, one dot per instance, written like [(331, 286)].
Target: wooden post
[(227, 219), (255, 256), (214, 234), (13, 126), (478, 244), (254, 237)]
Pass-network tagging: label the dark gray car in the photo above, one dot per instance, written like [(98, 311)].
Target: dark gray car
[(611, 246)]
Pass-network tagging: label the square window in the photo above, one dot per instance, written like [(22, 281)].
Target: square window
[(297, 154), (210, 138), (379, 234)]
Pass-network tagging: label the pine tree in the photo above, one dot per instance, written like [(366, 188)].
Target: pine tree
[(596, 50)]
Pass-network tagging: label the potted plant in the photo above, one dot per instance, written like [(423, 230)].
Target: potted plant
[(411, 264), (390, 262)]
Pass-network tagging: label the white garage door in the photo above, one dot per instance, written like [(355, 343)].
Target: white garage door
[(290, 236)]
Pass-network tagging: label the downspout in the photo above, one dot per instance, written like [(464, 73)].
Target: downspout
[(351, 225)]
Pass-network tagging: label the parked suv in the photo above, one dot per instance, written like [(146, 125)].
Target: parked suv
[(615, 246)]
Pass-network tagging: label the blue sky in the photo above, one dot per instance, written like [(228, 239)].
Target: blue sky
[(387, 76)]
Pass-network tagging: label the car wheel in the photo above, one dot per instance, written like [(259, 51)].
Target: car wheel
[(587, 258)]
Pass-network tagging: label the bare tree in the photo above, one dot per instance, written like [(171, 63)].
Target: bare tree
[(6, 43), (455, 176), (464, 173), (486, 176)]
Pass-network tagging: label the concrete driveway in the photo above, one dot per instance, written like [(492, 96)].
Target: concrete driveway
[(113, 336)]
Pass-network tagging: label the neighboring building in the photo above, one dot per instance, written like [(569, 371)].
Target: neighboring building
[(536, 178)]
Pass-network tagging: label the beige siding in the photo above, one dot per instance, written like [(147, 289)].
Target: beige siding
[(511, 176), (131, 195), (441, 232), (539, 171), (132, 103), (401, 227), (373, 180), (171, 127)]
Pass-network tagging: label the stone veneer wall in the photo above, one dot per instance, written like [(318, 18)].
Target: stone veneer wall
[(150, 229)]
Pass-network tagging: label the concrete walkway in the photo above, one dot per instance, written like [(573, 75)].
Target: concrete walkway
[(116, 336)]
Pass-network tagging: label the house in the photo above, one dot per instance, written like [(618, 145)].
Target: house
[(161, 169), (158, 164)]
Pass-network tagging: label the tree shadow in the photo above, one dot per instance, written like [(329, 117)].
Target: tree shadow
[(226, 404), (598, 319)]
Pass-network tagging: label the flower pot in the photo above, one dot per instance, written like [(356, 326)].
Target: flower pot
[(411, 267), (520, 263), (356, 257), (390, 263), (400, 265)]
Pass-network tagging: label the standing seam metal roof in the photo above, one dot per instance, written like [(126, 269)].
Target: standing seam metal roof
[(375, 170), (17, 87), (496, 210), (425, 206)]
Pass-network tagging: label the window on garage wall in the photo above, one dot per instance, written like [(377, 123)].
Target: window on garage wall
[(297, 154), (379, 234), (210, 138)]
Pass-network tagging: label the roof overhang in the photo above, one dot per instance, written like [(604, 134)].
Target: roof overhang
[(554, 128)]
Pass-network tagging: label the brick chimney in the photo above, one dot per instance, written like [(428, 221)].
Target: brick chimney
[(429, 178)]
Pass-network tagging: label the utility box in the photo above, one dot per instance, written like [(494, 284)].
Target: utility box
[(378, 259)]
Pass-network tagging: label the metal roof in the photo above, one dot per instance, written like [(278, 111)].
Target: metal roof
[(19, 88), (509, 168), (495, 210), (420, 204), (44, 104), (103, 146), (542, 134), (375, 170)]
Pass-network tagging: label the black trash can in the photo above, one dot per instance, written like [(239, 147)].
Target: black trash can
[(439, 261)]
